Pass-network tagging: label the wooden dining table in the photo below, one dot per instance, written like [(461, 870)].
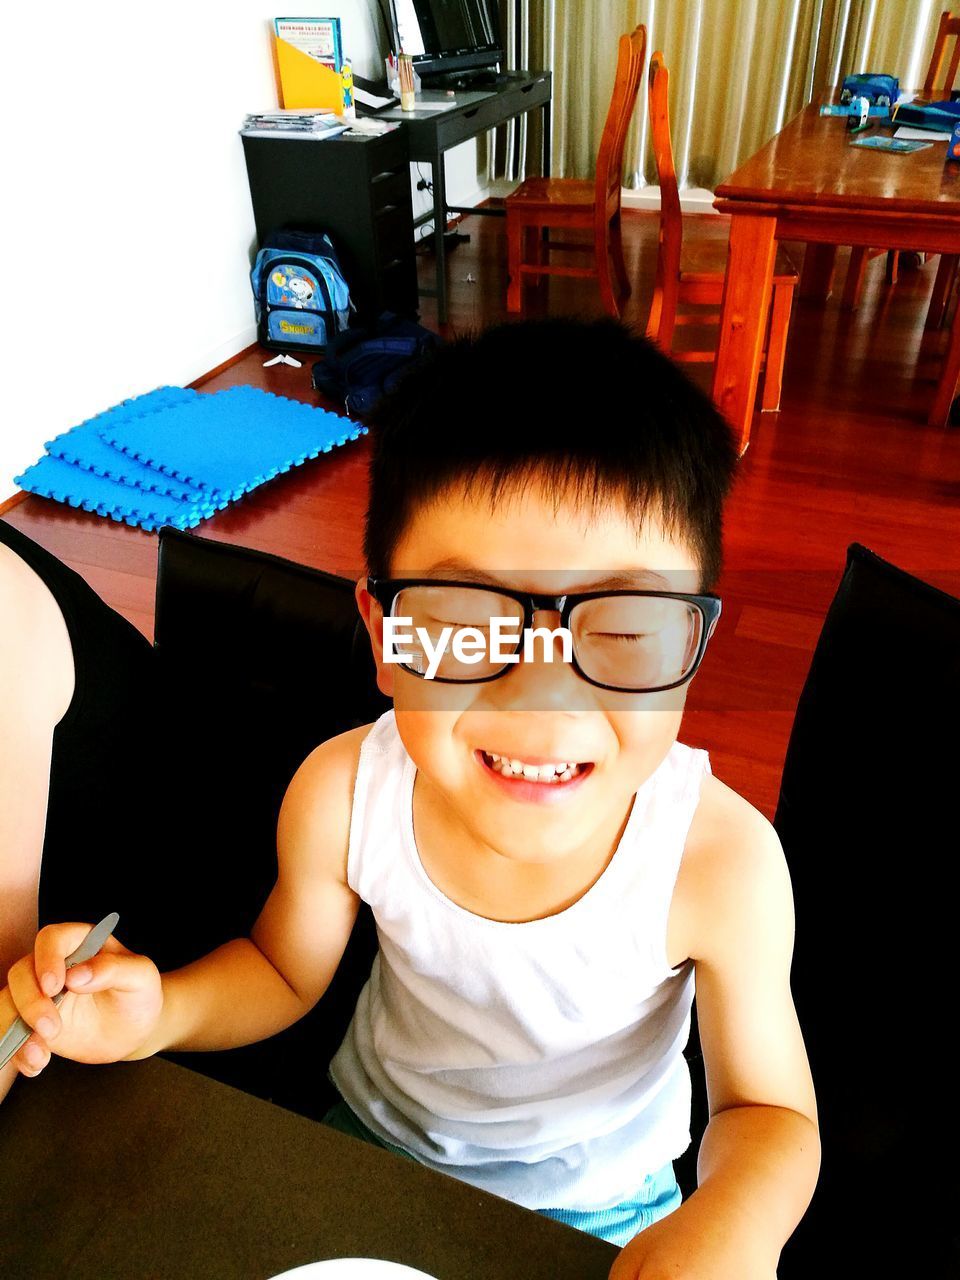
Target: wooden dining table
[(809, 184), (150, 1171)]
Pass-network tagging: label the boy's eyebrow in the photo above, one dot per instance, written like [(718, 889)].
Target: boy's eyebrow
[(621, 581)]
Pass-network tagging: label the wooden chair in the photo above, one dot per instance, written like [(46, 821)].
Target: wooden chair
[(947, 270), (696, 274), (541, 203)]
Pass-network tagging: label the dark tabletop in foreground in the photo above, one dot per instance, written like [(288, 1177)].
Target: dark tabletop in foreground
[(149, 1170)]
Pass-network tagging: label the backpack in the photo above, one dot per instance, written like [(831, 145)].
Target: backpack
[(363, 364), (300, 295)]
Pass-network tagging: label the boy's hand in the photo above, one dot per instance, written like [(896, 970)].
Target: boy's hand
[(112, 1005), (692, 1245)]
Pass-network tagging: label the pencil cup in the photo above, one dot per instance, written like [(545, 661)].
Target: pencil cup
[(408, 95)]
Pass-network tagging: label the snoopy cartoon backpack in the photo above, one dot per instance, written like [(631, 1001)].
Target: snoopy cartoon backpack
[(301, 298)]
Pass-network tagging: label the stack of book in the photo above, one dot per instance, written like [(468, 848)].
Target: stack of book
[(293, 124)]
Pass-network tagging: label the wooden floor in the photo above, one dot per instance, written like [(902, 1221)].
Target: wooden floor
[(849, 458)]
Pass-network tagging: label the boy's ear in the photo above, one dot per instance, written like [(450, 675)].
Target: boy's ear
[(372, 615)]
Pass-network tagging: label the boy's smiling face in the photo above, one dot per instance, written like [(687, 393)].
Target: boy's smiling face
[(537, 711)]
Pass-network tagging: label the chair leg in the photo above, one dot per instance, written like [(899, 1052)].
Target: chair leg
[(616, 252), (515, 232), (949, 381), (608, 294), (777, 346), (668, 318), (853, 285), (661, 321), (893, 266), (656, 311), (942, 288)]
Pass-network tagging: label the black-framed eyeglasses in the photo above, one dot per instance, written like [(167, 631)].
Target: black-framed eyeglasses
[(624, 641)]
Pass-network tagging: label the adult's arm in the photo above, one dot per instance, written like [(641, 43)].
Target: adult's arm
[(36, 685)]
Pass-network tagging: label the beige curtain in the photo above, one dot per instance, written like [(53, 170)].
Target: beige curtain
[(739, 69)]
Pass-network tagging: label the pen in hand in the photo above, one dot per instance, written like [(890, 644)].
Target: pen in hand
[(19, 1032)]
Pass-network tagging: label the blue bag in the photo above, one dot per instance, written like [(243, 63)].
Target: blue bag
[(301, 298), (878, 88), (362, 365)]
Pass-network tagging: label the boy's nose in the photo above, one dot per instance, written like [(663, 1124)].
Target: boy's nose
[(540, 682)]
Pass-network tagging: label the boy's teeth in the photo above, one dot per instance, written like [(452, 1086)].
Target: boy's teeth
[(562, 771)]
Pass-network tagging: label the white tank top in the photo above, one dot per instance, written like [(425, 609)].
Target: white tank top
[(541, 1061)]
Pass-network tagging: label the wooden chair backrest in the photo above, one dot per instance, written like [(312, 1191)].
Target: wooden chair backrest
[(948, 27), (671, 218), (609, 175)]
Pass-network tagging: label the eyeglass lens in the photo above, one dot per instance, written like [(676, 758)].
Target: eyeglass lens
[(631, 641)]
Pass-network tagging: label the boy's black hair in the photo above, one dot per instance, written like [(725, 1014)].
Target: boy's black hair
[(586, 408)]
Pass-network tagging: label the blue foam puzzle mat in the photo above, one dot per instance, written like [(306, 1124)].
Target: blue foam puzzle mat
[(231, 441), (64, 482), (85, 448)]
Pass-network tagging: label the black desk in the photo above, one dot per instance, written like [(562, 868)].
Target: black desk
[(145, 1169), (358, 189), (471, 112)]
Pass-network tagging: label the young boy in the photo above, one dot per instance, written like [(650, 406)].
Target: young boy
[(548, 866)]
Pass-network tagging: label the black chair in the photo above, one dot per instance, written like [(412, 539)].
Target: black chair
[(260, 659), (867, 817)]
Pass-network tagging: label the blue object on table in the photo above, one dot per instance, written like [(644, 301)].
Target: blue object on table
[(233, 440), (846, 109), (941, 116), (901, 146), (877, 87)]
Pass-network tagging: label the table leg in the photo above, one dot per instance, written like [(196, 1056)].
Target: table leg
[(816, 277), (545, 170), (947, 387), (942, 289), (743, 319), (439, 230)]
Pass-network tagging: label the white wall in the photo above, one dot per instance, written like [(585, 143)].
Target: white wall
[(126, 216)]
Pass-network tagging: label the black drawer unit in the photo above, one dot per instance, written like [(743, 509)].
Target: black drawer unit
[(357, 189)]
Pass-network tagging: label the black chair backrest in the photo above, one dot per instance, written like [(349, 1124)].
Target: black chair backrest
[(261, 660), (868, 819)]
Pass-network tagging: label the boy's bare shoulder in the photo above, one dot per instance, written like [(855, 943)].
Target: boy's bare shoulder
[(314, 819), (725, 820), (324, 782), (732, 862)]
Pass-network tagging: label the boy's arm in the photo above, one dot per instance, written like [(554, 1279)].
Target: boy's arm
[(246, 990), (760, 1155)]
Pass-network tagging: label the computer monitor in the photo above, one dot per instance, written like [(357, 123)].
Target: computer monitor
[(446, 35)]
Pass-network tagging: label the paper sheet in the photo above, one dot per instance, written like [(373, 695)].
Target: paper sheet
[(371, 100), (435, 106), (921, 135)]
